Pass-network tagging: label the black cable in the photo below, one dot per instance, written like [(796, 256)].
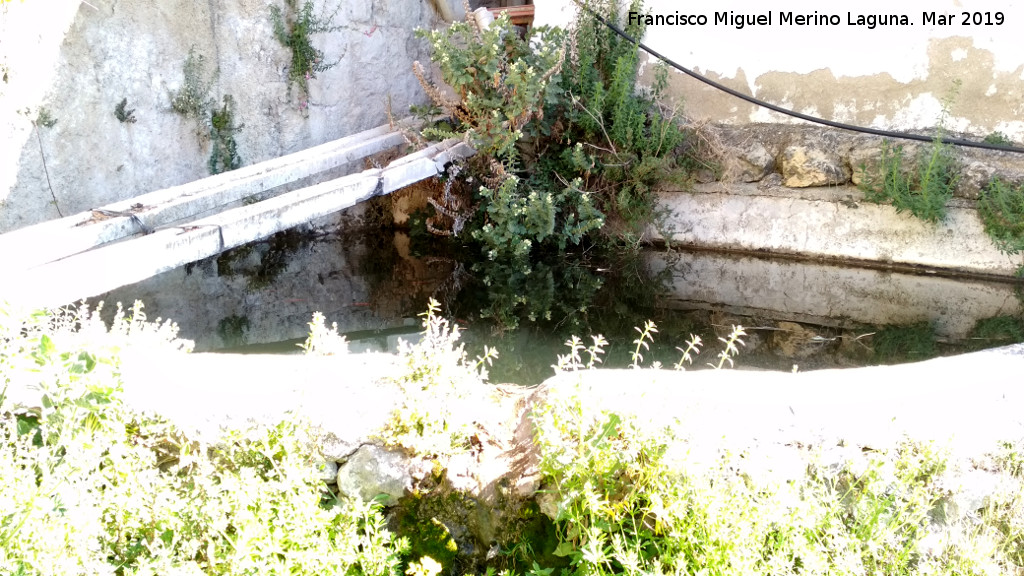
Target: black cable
[(755, 101)]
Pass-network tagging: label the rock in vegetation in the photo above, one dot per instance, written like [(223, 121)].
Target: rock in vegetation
[(374, 471)]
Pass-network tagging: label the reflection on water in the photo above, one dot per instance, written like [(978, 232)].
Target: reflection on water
[(259, 298)]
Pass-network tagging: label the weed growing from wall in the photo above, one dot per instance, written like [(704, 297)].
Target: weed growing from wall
[(927, 185), (45, 119), (124, 114), (923, 190), (223, 148), (1001, 207), (293, 28), (217, 125), (193, 99), (997, 138)]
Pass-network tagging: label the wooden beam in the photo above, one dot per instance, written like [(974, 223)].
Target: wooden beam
[(42, 243), (102, 269)]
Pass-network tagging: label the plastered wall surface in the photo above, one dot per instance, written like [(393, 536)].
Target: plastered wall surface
[(893, 75), (77, 61)]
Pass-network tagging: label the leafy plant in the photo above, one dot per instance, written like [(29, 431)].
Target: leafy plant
[(647, 334), (293, 28), (435, 378), (691, 350), (518, 218), (730, 349), (998, 138)]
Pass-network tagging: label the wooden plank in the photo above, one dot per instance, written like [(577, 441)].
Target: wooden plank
[(519, 15), (36, 245), (102, 269)]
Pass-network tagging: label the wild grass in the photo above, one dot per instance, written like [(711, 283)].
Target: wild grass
[(905, 343), (1001, 207), (924, 189)]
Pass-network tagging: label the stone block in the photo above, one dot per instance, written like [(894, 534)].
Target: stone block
[(750, 162), (804, 166), (373, 471)]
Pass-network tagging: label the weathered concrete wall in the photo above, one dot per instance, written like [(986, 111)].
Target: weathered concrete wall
[(78, 62), (793, 190), (889, 76), (819, 294)]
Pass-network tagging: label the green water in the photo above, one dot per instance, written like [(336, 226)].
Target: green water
[(258, 298)]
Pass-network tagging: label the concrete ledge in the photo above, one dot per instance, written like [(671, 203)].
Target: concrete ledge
[(973, 400), (970, 401), (826, 294), (830, 223)]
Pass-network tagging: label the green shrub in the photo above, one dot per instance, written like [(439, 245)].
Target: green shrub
[(565, 139), (928, 185)]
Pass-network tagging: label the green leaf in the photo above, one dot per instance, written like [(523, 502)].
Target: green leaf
[(565, 549), (44, 350), (607, 430)]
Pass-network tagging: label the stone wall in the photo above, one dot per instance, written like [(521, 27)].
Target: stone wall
[(75, 62)]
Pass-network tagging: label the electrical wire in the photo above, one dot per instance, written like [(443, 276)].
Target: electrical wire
[(794, 114)]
